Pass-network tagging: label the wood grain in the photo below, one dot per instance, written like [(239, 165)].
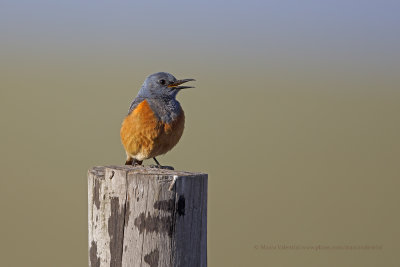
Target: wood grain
[(147, 217)]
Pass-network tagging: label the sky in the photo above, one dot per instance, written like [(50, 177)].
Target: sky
[(340, 34)]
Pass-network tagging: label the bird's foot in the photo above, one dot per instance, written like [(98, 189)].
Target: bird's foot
[(162, 167), (137, 165), (159, 166), (134, 162)]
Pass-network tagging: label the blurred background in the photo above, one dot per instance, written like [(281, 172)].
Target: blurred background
[(295, 117)]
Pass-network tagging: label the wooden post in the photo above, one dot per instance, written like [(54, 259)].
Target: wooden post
[(147, 217)]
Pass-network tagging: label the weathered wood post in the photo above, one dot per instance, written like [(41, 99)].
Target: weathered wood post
[(147, 217)]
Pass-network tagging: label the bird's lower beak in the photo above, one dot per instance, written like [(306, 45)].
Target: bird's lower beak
[(176, 84)]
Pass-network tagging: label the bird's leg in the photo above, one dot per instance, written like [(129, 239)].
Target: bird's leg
[(158, 163), (159, 166)]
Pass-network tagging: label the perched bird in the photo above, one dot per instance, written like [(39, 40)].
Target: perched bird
[(155, 120)]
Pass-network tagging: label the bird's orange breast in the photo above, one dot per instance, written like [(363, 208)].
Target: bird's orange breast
[(145, 136)]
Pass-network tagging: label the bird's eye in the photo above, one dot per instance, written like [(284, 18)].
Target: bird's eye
[(162, 81)]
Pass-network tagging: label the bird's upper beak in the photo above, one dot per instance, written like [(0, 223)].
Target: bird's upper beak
[(176, 84)]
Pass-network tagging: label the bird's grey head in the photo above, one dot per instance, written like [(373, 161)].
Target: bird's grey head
[(162, 85)]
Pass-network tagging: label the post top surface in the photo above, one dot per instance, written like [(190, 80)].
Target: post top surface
[(99, 171)]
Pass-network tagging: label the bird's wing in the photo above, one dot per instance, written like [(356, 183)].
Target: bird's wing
[(135, 103)]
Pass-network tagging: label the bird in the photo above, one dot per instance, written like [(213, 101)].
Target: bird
[(155, 120)]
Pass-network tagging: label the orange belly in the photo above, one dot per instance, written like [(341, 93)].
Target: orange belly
[(144, 136)]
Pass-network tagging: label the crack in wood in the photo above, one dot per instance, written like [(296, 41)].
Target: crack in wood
[(96, 193), (116, 232), (94, 259), (127, 212)]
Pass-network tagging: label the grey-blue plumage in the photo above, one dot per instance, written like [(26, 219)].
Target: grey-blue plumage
[(161, 96)]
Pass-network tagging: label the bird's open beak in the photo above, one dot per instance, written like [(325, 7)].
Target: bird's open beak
[(176, 84)]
